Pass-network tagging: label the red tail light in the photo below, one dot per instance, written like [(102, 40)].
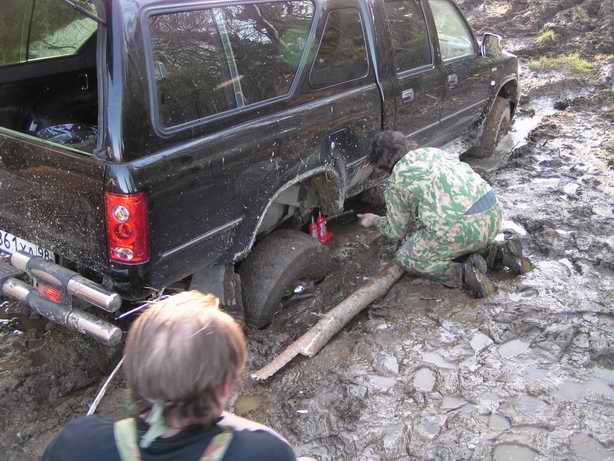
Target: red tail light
[(127, 232)]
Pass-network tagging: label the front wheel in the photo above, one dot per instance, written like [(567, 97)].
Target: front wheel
[(273, 269), (498, 124)]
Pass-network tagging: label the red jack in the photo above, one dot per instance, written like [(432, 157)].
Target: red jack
[(318, 229)]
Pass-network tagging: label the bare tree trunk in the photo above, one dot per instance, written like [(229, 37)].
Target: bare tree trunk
[(318, 336)]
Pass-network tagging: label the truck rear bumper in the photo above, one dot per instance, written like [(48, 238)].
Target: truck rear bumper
[(65, 284)]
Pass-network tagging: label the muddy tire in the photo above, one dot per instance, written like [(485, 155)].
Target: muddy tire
[(274, 266), (498, 124)]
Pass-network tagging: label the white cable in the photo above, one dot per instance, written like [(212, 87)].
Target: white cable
[(103, 389)]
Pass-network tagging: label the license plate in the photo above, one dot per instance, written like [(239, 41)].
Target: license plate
[(10, 244)]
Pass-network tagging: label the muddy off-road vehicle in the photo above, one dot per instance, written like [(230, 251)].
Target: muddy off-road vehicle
[(149, 143)]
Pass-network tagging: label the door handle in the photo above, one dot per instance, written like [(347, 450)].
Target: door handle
[(408, 95), (452, 80)]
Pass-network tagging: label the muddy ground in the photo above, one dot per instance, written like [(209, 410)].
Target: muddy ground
[(426, 372)]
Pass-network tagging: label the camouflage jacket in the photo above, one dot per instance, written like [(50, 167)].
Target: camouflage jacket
[(428, 188)]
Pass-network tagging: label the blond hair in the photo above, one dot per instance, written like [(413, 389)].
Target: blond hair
[(182, 352)]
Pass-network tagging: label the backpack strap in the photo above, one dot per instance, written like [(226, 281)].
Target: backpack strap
[(217, 447), (126, 439)]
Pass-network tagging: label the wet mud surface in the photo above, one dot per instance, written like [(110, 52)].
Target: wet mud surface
[(426, 372)]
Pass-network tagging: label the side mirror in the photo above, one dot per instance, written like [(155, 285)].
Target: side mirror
[(492, 45)]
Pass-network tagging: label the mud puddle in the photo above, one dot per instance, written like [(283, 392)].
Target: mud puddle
[(529, 116)]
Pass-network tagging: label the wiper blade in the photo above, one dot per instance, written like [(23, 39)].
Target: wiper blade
[(87, 8)]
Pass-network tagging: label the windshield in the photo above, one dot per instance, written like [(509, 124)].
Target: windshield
[(41, 29)]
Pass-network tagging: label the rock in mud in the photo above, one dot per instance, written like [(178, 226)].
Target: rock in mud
[(424, 380), (436, 359), (498, 423), (528, 410), (429, 426), (587, 448), (380, 383), (488, 403), (562, 105), (452, 403), (513, 348), (513, 452), (386, 364), (395, 440), (606, 75), (480, 341)]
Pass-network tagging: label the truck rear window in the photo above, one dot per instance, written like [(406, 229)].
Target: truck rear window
[(213, 60), (40, 29)]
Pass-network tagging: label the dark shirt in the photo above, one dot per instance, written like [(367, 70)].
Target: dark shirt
[(91, 438)]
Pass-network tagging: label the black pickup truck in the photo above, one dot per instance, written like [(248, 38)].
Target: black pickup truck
[(146, 144)]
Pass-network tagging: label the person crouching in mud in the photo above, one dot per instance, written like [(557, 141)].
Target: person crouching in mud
[(454, 211), (182, 357)]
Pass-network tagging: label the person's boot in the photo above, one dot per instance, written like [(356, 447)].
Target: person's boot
[(475, 279), (508, 254)]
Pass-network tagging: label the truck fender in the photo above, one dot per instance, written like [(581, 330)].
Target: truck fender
[(514, 98), (500, 91), (330, 184)]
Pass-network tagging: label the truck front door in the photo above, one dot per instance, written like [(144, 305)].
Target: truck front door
[(466, 73), (419, 83)]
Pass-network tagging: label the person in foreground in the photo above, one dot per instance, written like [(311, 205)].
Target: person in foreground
[(181, 360), (441, 210)]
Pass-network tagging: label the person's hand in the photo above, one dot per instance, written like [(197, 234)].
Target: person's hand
[(368, 219)]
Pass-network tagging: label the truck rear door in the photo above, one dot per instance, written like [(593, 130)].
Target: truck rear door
[(420, 88), (51, 184), (51, 200)]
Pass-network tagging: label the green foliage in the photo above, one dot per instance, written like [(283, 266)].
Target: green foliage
[(580, 14), (571, 63), (608, 156), (548, 37), (57, 29), (13, 30)]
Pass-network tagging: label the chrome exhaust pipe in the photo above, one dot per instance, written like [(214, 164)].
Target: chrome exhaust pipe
[(69, 281), (93, 293), (72, 318)]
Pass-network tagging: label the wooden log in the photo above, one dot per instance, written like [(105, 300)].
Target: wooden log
[(318, 336)]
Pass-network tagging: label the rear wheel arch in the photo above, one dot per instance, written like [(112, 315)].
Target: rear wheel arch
[(323, 187), (283, 257)]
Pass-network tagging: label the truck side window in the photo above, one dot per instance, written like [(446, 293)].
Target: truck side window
[(409, 34), (268, 40), (218, 59), (455, 38), (343, 54), (42, 29), (193, 76)]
